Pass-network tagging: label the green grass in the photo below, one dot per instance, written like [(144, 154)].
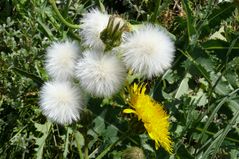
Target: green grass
[(200, 91)]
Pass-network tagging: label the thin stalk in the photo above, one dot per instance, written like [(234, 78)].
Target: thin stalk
[(86, 151), (78, 145), (61, 18), (66, 150)]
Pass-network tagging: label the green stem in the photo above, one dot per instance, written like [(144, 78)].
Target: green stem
[(61, 18), (77, 139), (86, 151), (78, 145)]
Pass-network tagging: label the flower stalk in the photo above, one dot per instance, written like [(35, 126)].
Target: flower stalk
[(61, 18)]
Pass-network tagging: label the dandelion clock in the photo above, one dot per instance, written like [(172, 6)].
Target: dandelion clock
[(148, 51)]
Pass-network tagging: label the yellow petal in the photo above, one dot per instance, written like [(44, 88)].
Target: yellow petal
[(129, 111)]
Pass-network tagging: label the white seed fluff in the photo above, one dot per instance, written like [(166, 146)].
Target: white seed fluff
[(60, 102), (101, 75), (61, 59), (93, 23), (148, 51)]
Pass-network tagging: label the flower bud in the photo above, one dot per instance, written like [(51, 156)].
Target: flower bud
[(111, 35), (133, 153)]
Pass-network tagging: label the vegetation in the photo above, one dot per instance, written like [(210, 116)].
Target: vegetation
[(199, 91)]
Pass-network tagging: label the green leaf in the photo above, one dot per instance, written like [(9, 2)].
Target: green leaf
[(215, 145), (200, 98), (218, 44), (80, 142), (198, 66), (222, 86), (66, 149), (40, 142), (183, 87), (183, 153), (221, 12), (190, 22), (216, 109), (234, 106), (34, 77), (210, 119), (46, 29), (101, 5)]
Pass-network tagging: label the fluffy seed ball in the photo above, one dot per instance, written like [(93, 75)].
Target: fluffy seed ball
[(60, 60), (93, 23), (148, 51), (100, 74), (60, 102)]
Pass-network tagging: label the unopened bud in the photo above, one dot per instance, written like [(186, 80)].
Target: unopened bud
[(111, 35), (133, 153)]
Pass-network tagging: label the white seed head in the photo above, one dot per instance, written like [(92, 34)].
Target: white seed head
[(148, 51), (93, 23), (60, 102), (100, 74), (60, 60)]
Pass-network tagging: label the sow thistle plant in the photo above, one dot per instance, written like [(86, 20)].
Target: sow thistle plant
[(98, 67)]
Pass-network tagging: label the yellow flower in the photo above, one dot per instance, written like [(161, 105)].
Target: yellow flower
[(153, 116)]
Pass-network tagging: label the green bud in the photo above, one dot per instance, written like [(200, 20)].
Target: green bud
[(111, 35)]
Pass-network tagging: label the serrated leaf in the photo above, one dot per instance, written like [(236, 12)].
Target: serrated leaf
[(111, 133), (99, 125), (206, 63), (200, 98), (170, 76), (40, 142), (222, 86), (79, 139)]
